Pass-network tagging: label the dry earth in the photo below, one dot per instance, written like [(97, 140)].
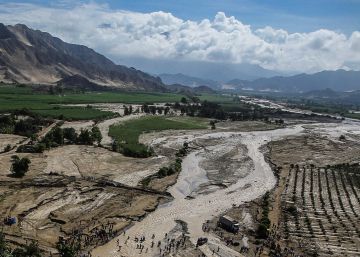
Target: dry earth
[(318, 145), (12, 140), (225, 167)]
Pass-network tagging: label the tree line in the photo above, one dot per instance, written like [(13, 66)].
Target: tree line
[(60, 136), (10, 124)]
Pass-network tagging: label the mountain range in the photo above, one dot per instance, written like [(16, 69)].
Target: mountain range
[(339, 80), (330, 96), (216, 71), (179, 78), (32, 56)]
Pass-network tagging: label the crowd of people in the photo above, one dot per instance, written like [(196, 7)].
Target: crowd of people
[(163, 247), (275, 249), (169, 245)]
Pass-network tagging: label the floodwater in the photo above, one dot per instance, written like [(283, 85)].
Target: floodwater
[(202, 207)]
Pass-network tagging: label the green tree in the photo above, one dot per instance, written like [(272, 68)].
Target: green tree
[(19, 166), (85, 137), (212, 123), (30, 250), (33, 137), (96, 134), (126, 110), (262, 232), (183, 100), (70, 134), (152, 110), (67, 249), (58, 135), (145, 108)]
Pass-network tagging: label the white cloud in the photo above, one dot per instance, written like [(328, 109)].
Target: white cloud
[(161, 35)]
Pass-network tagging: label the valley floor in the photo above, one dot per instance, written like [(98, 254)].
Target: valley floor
[(97, 195)]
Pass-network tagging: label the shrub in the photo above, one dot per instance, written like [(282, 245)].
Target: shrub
[(262, 232), (7, 148), (30, 250), (135, 150), (19, 166), (70, 134), (292, 210), (68, 249)]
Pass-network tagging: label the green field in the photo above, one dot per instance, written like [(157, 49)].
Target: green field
[(131, 130), (353, 115), (17, 98), (196, 121), (75, 113), (23, 97)]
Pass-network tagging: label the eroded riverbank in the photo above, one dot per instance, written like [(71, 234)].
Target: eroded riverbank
[(200, 207)]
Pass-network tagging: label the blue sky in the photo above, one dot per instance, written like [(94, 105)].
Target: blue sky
[(291, 15)]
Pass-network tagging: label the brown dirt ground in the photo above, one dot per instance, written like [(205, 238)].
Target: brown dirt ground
[(303, 150), (51, 206), (8, 139)]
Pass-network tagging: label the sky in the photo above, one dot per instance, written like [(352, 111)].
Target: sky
[(281, 35)]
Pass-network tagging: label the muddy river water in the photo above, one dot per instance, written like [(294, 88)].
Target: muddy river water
[(200, 207)]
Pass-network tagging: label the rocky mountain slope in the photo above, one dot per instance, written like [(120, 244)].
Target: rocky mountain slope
[(339, 80), (189, 81), (32, 56)]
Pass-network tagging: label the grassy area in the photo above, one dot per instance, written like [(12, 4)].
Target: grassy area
[(17, 98), (14, 90), (353, 115), (196, 121), (131, 130), (74, 113), (125, 97)]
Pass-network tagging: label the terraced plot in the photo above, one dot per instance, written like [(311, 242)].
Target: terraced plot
[(322, 209)]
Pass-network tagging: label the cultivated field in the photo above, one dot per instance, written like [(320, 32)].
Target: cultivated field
[(321, 209)]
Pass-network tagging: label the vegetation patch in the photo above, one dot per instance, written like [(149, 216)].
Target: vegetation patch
[(262, 231), (127, 134), (48, 104), (171, 169), (19, 166), (9, 124), (60, 136), (75, 113)]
